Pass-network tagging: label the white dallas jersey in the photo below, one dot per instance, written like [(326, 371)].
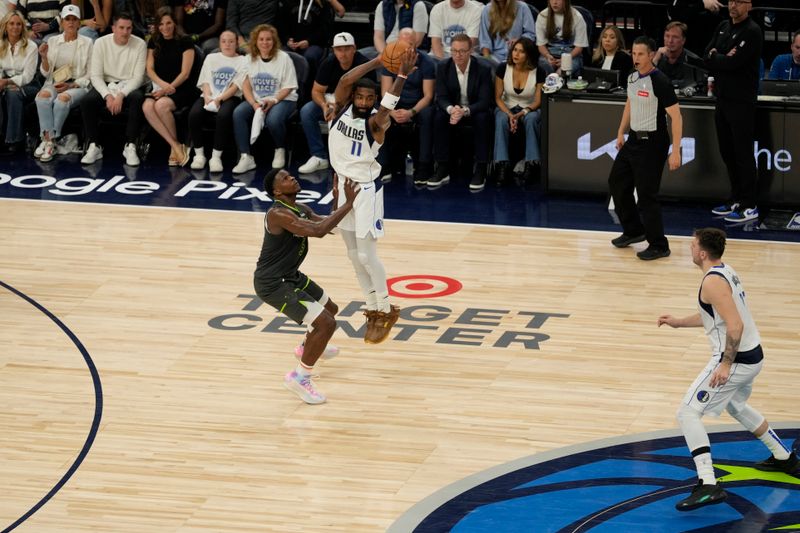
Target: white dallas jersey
[(713, 323), (353, 151)]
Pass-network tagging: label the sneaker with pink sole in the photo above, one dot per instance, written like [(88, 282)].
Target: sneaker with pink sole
[(303, 387), (330, 352)]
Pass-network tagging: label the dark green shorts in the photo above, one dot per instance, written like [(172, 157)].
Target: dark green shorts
[(296, 297)]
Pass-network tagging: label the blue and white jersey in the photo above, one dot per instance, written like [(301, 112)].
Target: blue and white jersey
[(353, 151), (715, 327)]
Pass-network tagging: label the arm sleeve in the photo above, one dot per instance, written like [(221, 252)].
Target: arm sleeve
[(528, 24), (29, 67), (580, 33), (85, 81), (420, 22), (541, 26), (484, 39), (138, 77), (435, 29), (748, 49), (663, 90)]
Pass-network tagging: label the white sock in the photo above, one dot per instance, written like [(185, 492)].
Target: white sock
[(775, 445), (705, 468), (216, 153), (303, 371), (372, 301), (383, 304)]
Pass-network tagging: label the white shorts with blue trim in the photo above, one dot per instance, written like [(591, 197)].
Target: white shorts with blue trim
[(736, 391), (366, 217)]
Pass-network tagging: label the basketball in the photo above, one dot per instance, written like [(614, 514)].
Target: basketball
[(393, 54)]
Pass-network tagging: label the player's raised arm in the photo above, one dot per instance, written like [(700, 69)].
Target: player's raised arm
[(344, 89), (381, 120)]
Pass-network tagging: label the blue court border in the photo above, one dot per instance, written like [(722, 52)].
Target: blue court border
[(98, 407)]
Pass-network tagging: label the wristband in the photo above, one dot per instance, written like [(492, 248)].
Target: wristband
[(402, 76), (389, 101)]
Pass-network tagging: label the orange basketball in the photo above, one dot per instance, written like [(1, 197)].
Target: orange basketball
[(393, 54)]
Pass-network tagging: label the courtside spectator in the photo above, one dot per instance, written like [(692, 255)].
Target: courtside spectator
[(449, 18), (391, 16), (244, 15), (97, 18), (117, 74), (676, 61), (502, 23), (65, 67), (201, 20), (610, 53), (787, 66), (18, 82), (42, 15), (306, 29), (560, 29)]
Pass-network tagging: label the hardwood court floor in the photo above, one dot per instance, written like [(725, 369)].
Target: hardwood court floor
[(198, 433)]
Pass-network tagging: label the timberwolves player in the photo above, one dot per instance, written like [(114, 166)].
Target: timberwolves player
[(727, 380), (356, 135), (279, 282)]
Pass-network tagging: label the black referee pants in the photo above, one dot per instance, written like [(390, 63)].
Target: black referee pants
[(640, 164), (736, 124)]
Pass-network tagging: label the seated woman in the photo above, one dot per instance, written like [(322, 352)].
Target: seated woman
[(307, 26), (560, 29), (502, 23), (170, 56), (18, 84), (610, 53), (518, 94), (269, 85), (65, 67), (220, 97), (98, 18)]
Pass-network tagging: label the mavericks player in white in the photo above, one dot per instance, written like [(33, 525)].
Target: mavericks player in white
[(727, 380), (354, 139)]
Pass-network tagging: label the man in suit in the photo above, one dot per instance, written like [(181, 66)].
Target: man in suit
[(463, 95)]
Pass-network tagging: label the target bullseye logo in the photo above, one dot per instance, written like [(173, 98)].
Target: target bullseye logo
[(423, 286)]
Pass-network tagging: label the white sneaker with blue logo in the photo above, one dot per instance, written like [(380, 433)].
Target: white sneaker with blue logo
[(743, 215)]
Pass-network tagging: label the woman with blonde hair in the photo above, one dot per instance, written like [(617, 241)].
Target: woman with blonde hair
[(610, 53), (560, 29), (269, 85), (170, 56), (502, 23), (18, 84), (65, 66)]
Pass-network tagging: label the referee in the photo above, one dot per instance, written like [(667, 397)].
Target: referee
[(640, 161)]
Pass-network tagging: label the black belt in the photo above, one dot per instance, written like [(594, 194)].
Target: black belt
[(642, 135)]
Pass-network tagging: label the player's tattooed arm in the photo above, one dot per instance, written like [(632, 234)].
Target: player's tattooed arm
[(731, 348)]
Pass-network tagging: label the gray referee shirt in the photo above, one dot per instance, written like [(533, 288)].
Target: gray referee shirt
[(649, 96)]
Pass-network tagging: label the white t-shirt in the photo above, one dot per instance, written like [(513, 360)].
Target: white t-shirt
[(219, 71), (579, 35), (447, 22), (269, 77), (419, 23)]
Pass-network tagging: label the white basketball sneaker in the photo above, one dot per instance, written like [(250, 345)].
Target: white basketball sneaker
[(303, 387)]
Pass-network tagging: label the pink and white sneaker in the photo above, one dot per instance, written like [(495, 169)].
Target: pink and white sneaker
[(330, 352), (303, 387)]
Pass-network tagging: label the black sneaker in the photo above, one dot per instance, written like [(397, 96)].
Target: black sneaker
[(701, 496), (502, 171), (788, 466), (626, 240), (478, 181), (441, 177), (651, 253)]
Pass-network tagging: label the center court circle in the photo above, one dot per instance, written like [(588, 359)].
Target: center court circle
[(423, 286)]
